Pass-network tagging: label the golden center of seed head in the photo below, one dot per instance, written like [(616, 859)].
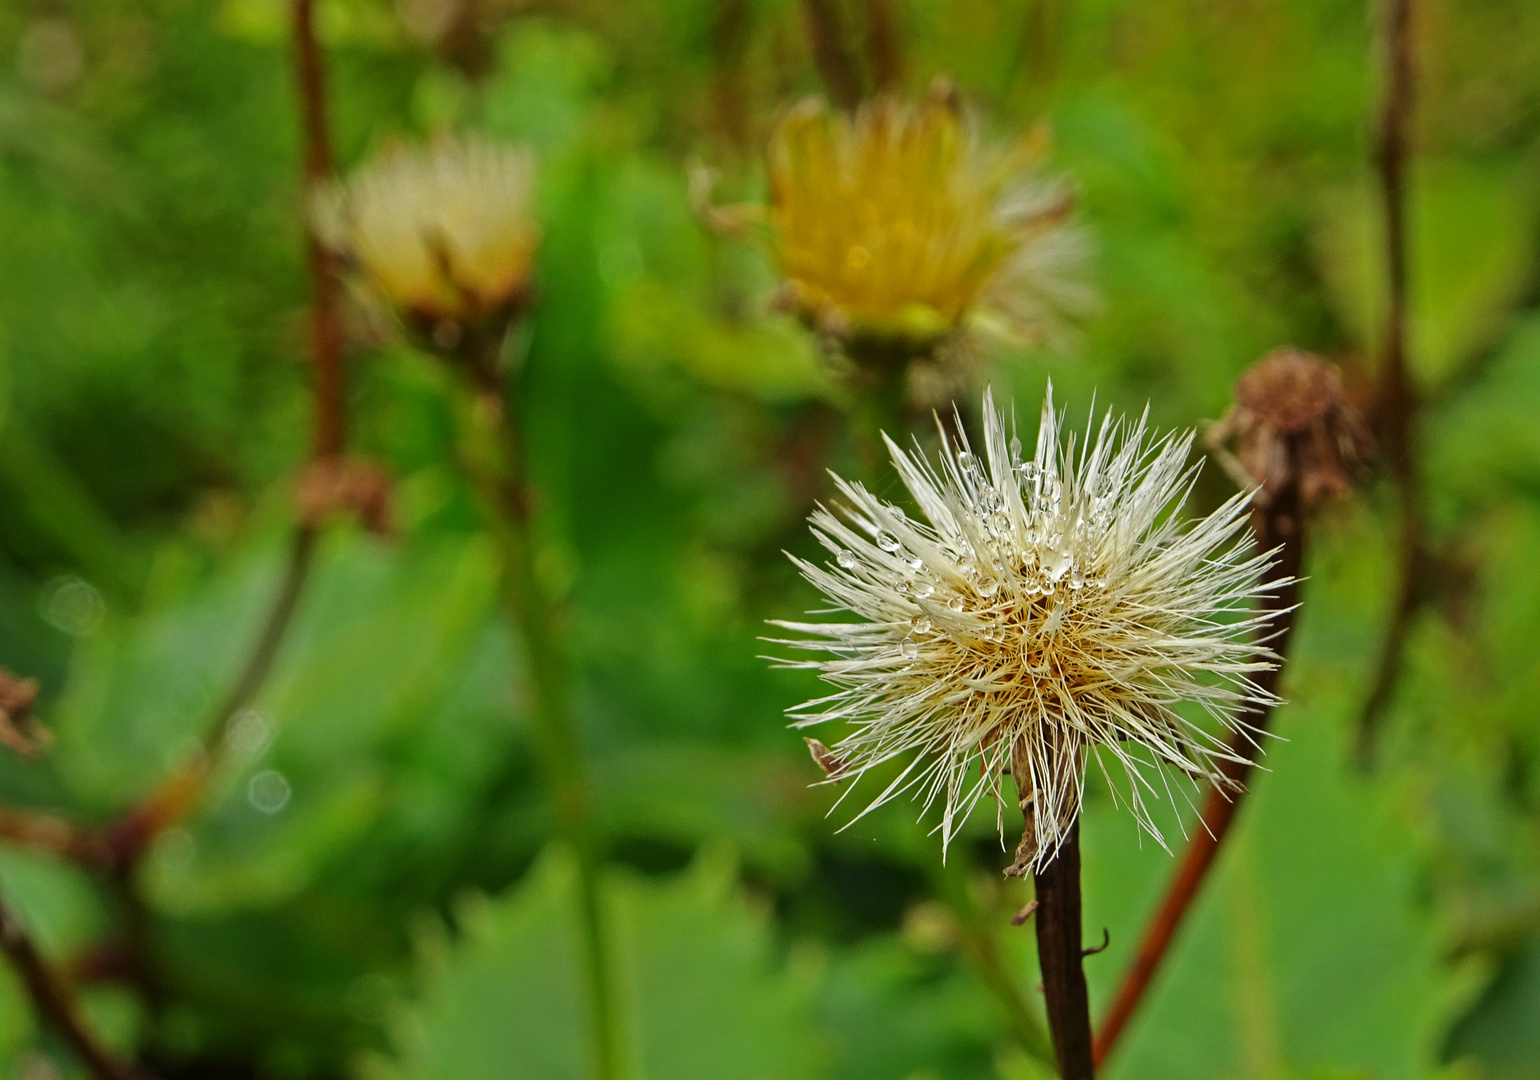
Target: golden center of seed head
[(1019, 590)]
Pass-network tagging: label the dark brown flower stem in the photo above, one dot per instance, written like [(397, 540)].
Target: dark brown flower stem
[(980, 944), (1279, 525), (53, 1002), (118, 845), (1398, 405), (831, 53), (182, 792), (731, 35), (1038, 48), (884, 53), (1060, 954), (53, 835), (496, 458), (325, 312)]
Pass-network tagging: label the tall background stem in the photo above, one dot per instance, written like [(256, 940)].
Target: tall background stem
[(1398, 405), (499, 462), (53, 1002), (1278, 524), (977, 936), (182, 792), (831, 52), (325, 313)]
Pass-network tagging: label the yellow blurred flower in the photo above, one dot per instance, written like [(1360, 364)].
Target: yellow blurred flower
[(894, 227), (442, 233)]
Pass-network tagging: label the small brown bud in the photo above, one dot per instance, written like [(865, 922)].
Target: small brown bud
[(19, 729), (1292, 424), (355, 485)]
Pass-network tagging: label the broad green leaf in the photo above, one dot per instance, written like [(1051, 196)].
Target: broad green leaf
[(697, 975), (1307, 947), (307, 775), (1500, 1029)]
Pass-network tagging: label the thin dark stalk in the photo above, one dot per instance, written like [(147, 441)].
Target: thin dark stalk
[(983, 951), (500, 468), (326, 322), (183, 791), (836, 66), (1061, 953), (280, 615), (1038, 48), (880, 385), (884, 56), (1278, 524), (53, 1002), (53, 835), (730, 88), (1398, 404)]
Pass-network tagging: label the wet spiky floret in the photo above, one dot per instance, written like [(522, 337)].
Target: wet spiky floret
[(897, 224), (441, 232), (1041, 612)]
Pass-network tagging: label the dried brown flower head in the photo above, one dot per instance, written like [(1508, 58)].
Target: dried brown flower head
[(1292, 424)]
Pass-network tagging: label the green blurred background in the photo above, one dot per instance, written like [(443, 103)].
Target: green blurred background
[(372, 893)]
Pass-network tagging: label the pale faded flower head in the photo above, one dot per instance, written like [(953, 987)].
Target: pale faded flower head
[(443, 232), (1041, 613), (898, 226)]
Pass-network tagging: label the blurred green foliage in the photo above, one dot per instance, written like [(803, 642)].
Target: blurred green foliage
[(372, 891)]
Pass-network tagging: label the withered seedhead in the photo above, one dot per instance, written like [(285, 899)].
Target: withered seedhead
[(1291, 424)]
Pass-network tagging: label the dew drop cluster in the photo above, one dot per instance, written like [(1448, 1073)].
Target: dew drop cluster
[(1030, 541)]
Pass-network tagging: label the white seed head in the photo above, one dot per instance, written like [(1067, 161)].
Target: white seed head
[(440, 232), (1041, 612)]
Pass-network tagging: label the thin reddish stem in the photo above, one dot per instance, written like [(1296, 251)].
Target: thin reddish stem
[(181, 793), (1398, 406), (884, 54), (54, 1004), (326, 322), (826, 37), (54, 835), (1278, 525)]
